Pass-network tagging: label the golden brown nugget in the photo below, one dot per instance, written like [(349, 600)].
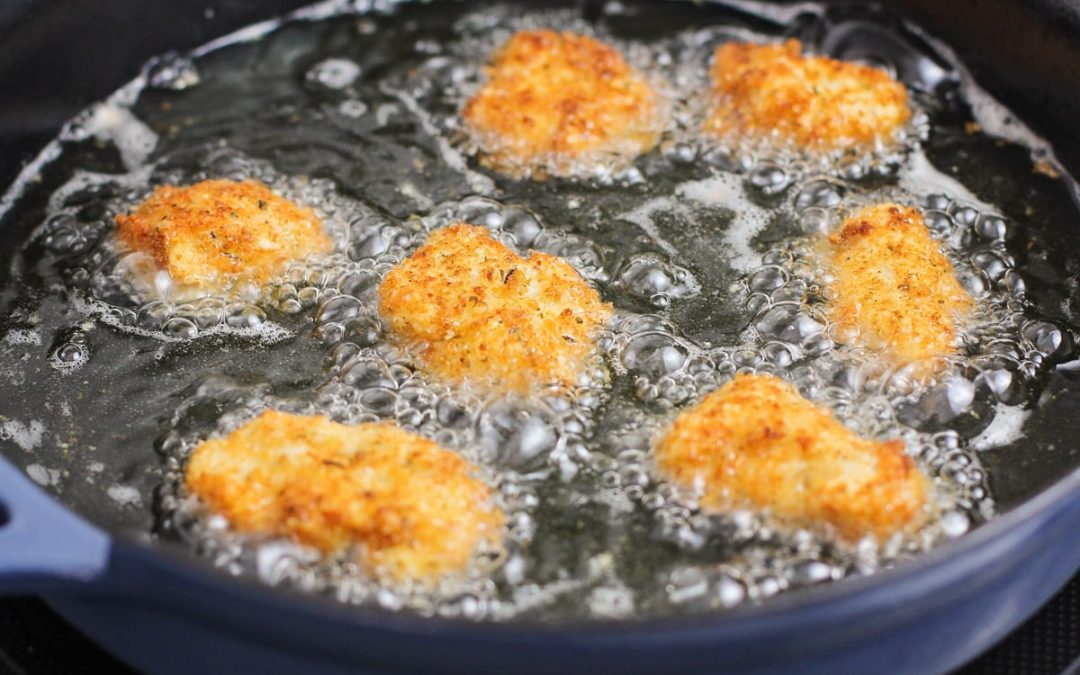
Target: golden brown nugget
[(413, 509), (482, 313), (215, 231), (553, 97), (891, 280), (757, 442), (813, 102)]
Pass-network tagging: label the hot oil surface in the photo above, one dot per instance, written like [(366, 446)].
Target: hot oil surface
[(706, 252)]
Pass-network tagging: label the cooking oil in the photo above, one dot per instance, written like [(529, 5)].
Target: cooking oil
[(709, 252)]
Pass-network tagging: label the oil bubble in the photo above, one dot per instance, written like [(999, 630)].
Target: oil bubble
[(171, 71), (335, 73)]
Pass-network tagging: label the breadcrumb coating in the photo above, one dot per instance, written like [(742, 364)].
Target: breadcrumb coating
[(757, 442), (412, 509), (551, 98), (813, 102), (216, 231), (481, 313), (891, 280)]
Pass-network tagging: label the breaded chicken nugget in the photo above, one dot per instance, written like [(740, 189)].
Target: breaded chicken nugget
[(757, 442), (412, 509), (482, 313), (551, 98), (212, 232), (814, 102), (891, 280)]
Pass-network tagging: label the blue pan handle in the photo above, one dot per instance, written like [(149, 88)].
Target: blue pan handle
[(43, 546)]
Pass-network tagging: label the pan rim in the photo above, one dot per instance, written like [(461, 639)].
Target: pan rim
[(845, 596)]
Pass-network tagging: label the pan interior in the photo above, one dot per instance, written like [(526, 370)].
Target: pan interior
[(706, 252)]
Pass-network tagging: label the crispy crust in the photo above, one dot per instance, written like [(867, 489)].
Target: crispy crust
[(552, 97), (482, 313), (815, 102), (757, 442), (215, 231), (891, 280), (412, 508)]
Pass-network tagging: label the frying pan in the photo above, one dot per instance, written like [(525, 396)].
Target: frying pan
[(167, 613)]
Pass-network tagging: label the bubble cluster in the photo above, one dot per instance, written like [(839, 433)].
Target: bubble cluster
[(666, 369), (790, 333), (770, 167), (371, 376), (649, 276), (1005, 351), (677, 67), (516, 444), (70, 351), (753, 577), (521, 229), (448, 78), (128, 291), (519, 442)]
